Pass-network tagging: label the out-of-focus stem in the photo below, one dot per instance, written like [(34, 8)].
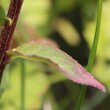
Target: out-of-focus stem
[(23, 74), (92, 53)]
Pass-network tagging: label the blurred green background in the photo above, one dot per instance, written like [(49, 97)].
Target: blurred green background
[(71, 24)]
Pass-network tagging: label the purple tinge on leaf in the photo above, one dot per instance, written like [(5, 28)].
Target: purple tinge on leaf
[(83, 77), (65, 63)]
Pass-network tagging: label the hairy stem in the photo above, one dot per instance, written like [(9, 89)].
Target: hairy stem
[(92, 53), (7, 32)]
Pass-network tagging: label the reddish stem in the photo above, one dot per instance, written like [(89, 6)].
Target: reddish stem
[(7, 32)]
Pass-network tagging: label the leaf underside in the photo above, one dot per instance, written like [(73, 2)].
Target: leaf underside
[(63, 62)]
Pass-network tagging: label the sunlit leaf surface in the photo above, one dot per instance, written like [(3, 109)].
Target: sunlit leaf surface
[(71, 35), (51, 54)]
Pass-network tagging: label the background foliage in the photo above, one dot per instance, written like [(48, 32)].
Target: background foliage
[(71, 25)]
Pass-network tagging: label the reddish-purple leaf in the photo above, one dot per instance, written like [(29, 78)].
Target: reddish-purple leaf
[(65, 63)]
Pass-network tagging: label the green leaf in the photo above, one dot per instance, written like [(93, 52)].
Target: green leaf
[(44, 51), (2, 16), (4, 81)]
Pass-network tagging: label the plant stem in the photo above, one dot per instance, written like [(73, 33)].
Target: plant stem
[(96, 38), (92, 53), (7, 32), (23, 84)]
